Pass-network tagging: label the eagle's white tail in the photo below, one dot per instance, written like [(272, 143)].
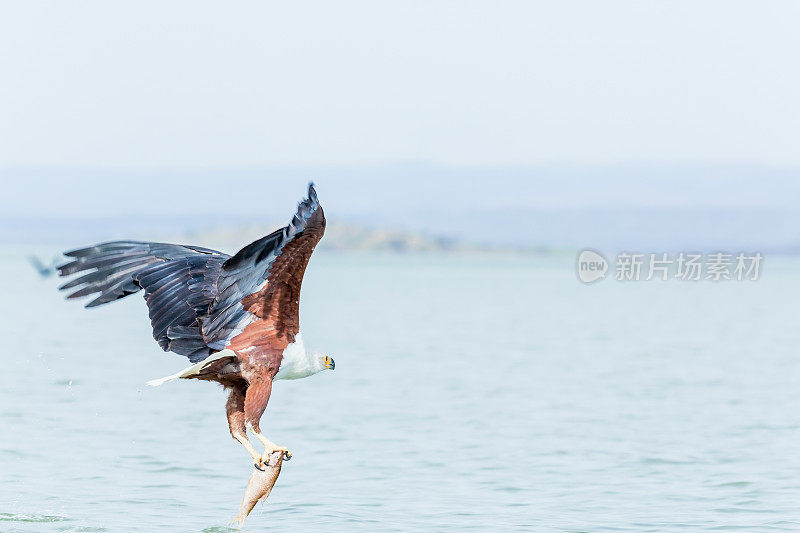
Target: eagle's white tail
[(192, 370)]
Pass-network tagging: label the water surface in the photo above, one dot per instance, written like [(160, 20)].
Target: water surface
[(470, 393)]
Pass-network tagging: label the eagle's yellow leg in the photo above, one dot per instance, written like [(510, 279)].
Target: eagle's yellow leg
[(249, 447), (270, 447)]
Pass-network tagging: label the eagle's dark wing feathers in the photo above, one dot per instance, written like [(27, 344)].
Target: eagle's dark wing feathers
[(194, 294), (113, 265), (178, 282), (178, 293)]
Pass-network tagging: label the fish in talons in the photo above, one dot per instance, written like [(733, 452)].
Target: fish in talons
[(260, 485)]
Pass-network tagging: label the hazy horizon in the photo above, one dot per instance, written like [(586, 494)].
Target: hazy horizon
[(658, 206)]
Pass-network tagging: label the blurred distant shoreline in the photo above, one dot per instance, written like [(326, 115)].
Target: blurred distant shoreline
[(230, 238), (551, 233), (355, 238)]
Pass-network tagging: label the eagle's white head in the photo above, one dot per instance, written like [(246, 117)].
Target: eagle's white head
[(298, 362)]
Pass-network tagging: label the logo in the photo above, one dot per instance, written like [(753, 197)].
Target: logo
[(591, 266)]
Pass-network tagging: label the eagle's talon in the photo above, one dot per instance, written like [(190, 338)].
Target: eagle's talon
[(268, 451)]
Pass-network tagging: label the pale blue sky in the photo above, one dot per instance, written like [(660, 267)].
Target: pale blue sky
[(644, 122), (193, 84)]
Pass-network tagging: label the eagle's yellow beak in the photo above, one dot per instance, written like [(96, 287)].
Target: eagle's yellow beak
[(329, 364)]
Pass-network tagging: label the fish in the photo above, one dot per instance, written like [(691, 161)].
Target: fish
[(259, 485)]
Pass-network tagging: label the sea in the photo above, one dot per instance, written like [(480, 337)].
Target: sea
[(472, 392)]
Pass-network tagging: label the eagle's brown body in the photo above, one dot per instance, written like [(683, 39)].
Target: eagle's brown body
[(237, 313), (259, 347)]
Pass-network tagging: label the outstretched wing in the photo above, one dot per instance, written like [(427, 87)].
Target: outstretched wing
[(200, 299), (262, 281), (178, 283)]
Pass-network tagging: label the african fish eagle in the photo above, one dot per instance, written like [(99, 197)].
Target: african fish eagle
[(235, 317)]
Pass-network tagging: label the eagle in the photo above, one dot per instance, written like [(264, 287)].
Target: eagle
[(235, 317)]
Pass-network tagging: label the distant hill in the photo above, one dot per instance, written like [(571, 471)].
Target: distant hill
[(344, 237)]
